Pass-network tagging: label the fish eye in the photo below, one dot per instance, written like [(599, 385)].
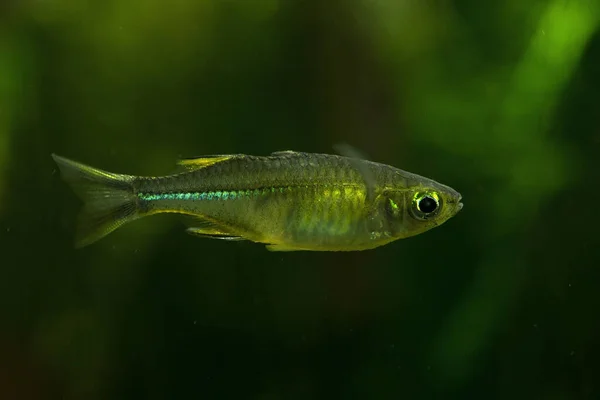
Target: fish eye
[(425, 205)]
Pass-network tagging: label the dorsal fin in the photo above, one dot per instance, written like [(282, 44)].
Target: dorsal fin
[(284, 153), (204, 161)]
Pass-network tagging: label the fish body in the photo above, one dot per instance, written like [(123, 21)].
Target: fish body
[(288, 200)]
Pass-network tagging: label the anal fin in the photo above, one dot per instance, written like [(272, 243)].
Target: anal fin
[(281, 247)]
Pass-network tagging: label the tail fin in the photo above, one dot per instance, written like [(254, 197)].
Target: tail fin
[(109, 199)]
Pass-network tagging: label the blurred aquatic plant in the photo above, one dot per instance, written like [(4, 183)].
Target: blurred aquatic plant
[(539, 168), (16, 81), (463, 88), (498, 120)]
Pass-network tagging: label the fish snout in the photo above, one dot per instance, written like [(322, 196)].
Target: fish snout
[(459, 205)]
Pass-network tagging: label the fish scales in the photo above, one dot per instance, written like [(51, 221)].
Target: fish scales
[(305, 201), (290, 201), (253, 173)]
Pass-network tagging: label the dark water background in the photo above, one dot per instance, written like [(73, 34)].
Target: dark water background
[(498, 99)]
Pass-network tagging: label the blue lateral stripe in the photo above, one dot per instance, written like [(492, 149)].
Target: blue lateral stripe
[(216, 195)]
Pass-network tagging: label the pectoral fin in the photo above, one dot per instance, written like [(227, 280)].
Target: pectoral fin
[(211, 229), (357, 160), (200, 232)]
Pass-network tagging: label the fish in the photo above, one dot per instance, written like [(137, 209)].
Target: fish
[(288, 200)]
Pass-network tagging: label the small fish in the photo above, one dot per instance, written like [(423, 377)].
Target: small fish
[(289, 200)]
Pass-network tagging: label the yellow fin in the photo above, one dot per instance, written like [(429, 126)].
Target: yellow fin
[(203, 162)]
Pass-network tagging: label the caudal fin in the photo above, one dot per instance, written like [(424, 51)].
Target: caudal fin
[(108, 199)]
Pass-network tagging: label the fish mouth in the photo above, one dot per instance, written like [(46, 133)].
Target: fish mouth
[(456, 203)]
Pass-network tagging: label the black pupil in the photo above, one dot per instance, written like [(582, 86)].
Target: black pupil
[(427, 205)]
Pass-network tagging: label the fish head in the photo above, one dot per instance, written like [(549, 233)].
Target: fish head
[(417, 206)]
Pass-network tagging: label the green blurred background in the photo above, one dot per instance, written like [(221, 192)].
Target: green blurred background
[(498, 99)]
